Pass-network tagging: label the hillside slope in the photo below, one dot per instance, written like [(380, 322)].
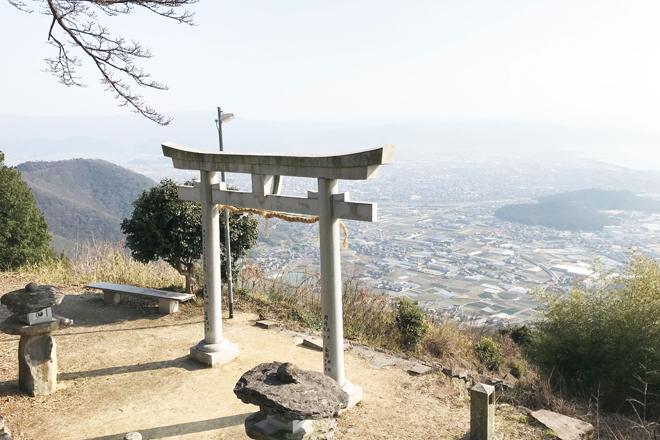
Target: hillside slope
[(558, 215), (83, 199), (604, 200)]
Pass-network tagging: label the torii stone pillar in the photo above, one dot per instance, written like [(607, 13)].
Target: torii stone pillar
[(213, 349), (327, 203)]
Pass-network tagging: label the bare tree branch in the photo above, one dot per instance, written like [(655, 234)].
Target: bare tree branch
[(114, 57)]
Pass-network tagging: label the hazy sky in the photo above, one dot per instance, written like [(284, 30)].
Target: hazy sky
[(577, 63)]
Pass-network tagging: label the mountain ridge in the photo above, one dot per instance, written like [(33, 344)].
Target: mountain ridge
[(83, 199)]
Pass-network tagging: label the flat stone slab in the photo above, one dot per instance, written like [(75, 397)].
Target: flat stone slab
[(296, 395), (14, 326), (443, 392), (566, 428), (121, 288), (419, 370), (32, 299), (267, 324), (317, 344), (379, 362)]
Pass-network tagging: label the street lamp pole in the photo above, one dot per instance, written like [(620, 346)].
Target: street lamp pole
[(225, 219)]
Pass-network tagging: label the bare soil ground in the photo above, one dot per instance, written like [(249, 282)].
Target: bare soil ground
[(125, 368)]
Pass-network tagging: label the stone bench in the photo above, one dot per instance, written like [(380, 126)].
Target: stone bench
[(168, 302)]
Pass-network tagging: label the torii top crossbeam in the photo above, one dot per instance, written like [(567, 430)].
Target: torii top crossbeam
[(350, 166), (327, 203)]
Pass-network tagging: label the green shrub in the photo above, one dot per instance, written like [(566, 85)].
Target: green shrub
[(522, 335), (518, 368), (600, 340), (489, 354), (411, 323)]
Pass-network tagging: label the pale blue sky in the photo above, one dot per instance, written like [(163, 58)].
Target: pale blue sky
[(577, 63)]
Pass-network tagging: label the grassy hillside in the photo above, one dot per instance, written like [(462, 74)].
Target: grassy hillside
[(83, 199), (558, 215), (603, 200)]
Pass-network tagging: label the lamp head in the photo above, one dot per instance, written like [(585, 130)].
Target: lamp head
[(226, 117)]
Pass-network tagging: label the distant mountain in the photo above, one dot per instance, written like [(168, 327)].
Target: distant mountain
[(64, 137), (603, 200), (83, 199), (557, 215)]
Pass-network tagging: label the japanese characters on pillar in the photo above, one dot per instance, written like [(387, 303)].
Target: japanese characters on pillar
[(327, 362), (205, 287)]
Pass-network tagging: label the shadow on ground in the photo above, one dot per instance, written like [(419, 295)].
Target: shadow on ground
[(89, 309), (183, 428), (183, 362), (10, 387)]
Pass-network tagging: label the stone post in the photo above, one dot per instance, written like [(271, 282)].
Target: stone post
[(37, 364), (482, 412), (331, 295), (213, 349)]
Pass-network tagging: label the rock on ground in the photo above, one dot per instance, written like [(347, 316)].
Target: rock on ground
[(566, 428), (313, 396)]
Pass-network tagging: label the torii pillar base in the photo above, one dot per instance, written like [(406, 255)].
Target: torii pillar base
[(214, 354), (354, 394)]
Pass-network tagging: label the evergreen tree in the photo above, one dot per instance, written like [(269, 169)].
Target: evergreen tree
[(24, 236), (163, 226)]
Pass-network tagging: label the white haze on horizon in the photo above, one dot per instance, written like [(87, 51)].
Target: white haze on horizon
[(592, 63)]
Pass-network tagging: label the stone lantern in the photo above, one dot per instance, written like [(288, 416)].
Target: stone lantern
[(34, 322), (294, 404)]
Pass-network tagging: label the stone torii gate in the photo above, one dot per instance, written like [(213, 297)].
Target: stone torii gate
[(328, 203)]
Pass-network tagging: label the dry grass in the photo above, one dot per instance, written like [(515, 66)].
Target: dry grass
[(103, 261), (446, 342)]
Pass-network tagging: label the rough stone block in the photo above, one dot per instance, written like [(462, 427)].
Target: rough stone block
[(566, 428), (37, 364), (133, 436), (419, 370), (379, 362), (317, 344), (460, 373), (443, 392), (259, 428), (267, 324)]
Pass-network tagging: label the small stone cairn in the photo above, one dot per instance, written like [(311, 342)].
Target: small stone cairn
[(34, 321), (294, 404)]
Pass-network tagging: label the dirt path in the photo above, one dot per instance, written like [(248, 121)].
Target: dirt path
[(124, 368)]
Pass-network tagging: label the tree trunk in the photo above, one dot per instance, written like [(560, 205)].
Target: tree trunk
[(186, 271), (189, 282)]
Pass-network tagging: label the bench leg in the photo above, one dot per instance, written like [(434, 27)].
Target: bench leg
[(112, 297), (167, 306)]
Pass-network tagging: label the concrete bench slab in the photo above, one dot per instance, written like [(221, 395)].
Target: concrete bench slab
[(168, 302)]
